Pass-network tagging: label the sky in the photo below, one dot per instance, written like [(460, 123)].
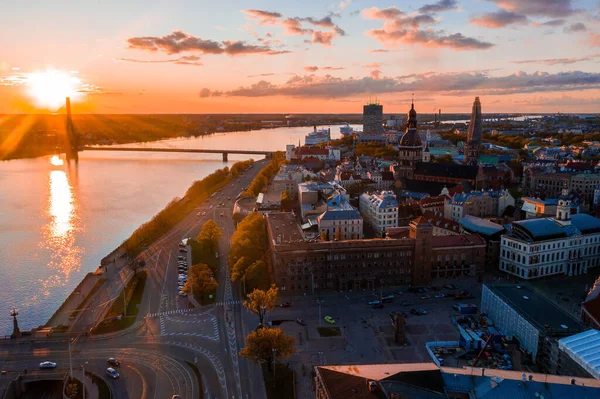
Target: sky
[(310, 56)]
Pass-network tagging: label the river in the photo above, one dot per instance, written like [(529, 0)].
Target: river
[(58, 221)]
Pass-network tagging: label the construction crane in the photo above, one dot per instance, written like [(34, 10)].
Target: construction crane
[(483, 349)]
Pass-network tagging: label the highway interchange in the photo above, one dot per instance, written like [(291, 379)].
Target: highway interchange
[(155, 353)]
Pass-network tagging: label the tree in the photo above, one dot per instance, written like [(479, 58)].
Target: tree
[(248, 241), (259, 274), (338, 234), (324, 235), (447, 158), (210, 235), (266, 345), (199, 281), (261, 302)]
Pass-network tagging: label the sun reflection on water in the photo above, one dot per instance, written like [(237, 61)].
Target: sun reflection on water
[(59, 233)]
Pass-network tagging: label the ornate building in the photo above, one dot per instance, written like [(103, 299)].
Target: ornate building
[(474, 137), (410, 147)]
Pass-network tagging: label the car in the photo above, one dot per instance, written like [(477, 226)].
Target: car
[(203, 213), (286, 305), (400, 292), (388, 298), (181, 258), (221, 213), (175, 397), (440, 295), (182, 249), (329, 319), (112, 373), (414, 311), (425, 297), (300, 321), (229, 198), (405, 303), (183, 294), (436, 288), (47, 365), (113, 362), (375, 302), (378, 306), (450, 286), (421, 312)]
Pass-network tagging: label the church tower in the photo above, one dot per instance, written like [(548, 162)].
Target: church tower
[(563, 210), (426, 153), (410, 146), (473, 144)]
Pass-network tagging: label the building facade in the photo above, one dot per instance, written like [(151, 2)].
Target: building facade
[(372, 119), (380, 210), (341, 224), (410, 147), (566, 244), (478, 203)]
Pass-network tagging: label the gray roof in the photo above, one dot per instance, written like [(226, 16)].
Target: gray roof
[(479, 225), (536, 309), (584, 348), (340, 215)]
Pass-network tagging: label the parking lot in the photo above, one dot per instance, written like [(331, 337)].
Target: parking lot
[(366, 333)]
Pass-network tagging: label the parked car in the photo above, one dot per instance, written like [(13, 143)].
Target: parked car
[(329, 319), (405, 303), (421, 312), (286, 305), (300, 321), (400, 292), (183, 294), (425, 297), (175, 397), (440, 295), (375, 302), (182, 249), (112, 373), (47, 365), (113, 362), (388, 298), (181, 257), (450, 286)]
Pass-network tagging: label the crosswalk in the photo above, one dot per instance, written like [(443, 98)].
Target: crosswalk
[(169, 312), (223, 303)]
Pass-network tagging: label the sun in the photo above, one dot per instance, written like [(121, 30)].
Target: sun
[(50, 88)]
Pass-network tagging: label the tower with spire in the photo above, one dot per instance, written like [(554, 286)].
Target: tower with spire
[(426, 153), (473, 144), (410, 146)]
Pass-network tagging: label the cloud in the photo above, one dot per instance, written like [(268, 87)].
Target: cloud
[(594, 39), (261, 75), (499, 19), (311, 68), (185, 60), (576, 27), (379, 51), (429, 38), (563, 100), (547, 8), (445, 83), (344, 3), (376, 74), (294, 25), (179, 42), (558, 61), (552, 22), (330, 68), (399, 28), (441, 5)]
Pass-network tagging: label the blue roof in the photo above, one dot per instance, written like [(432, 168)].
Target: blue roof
[(340, 215), (586, 223), (541, 228), (479, 225)]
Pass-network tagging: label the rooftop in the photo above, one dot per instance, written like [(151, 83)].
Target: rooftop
[(283, 227), (457, 240), (478, 225), (548, 228), (340, 215), (456, 171), (428, 381), (536, 309), (584, 348)]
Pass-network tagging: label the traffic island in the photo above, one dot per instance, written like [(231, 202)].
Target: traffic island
[(117, 319)]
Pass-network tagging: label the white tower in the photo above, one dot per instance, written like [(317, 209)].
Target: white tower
[(563, 210)]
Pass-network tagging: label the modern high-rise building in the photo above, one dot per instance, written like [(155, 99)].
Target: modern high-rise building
[(474, 137), (372, 118)]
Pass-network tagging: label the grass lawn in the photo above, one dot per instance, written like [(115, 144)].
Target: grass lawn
[(329, 331), (103, 390), (134, 292), (199, 378), (280, 384), (201, 254)]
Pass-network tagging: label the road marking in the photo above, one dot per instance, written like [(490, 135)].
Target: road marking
[(162, 293), (223, 303)]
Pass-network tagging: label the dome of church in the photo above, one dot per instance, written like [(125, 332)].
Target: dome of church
[(410, 139)]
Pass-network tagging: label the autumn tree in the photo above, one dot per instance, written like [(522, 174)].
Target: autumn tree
[(200, 282), (266, 345), (446, 158), (338, 234), (324, 235), (249, 241), (209, 235), (261, 302)]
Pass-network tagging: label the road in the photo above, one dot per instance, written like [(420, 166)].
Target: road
[(156, 357)]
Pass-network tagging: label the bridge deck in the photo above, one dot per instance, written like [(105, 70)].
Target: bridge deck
[(188, 150)]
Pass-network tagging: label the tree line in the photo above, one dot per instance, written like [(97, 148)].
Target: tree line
[(262, 179), (178, 208)]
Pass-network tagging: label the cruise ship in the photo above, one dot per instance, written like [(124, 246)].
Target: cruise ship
[(346, 130), (317, 136)]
